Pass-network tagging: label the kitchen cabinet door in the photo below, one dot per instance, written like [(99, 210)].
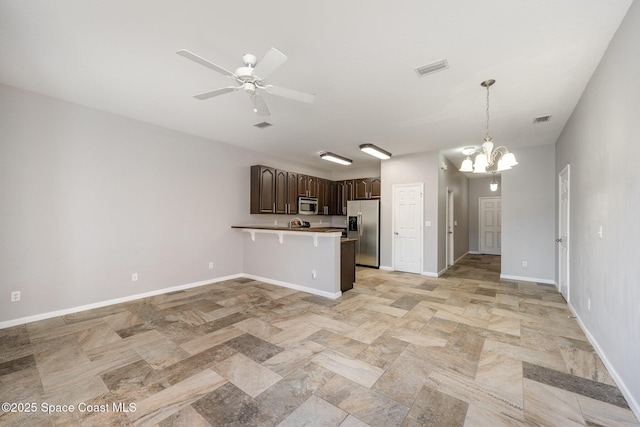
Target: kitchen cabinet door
[(263, 181), (374, 193), (348, 192), (340, 198), (312, 186), (321, 194), (361, 188), (307, 186), (303, 184), (292, 193), (280, 191)]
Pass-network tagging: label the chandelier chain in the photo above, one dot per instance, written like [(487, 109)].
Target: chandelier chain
[(487, 136)]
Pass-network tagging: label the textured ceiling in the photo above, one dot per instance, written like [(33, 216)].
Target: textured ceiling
[(358, 57)]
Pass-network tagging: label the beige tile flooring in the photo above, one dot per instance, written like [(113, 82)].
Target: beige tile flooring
[(466, 349)]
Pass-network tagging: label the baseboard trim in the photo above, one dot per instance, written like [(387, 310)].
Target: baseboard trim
[(294, 286), (72, 310), (528, 279), (633, 403), (385, 268), (430, 274)]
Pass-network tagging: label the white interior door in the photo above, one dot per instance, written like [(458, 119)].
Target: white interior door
[(490, 225), (563, 231), (450, 229), (407, 227)]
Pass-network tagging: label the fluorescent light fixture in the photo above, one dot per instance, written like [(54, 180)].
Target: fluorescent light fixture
[(375, 151), (336, 159)]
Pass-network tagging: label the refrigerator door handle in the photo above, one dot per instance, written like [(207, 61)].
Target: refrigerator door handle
[(360, 224)]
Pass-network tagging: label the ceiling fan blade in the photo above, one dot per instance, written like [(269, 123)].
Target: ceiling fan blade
[(216, 92), (200, 60), (291, 94), (259, 105), (271, 61)]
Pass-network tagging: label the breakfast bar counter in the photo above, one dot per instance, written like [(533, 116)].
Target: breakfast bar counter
[(305, 259)]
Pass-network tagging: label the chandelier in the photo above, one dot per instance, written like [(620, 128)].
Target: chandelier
[(489, 159)]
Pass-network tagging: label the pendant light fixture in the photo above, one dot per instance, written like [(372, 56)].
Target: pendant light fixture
[(489, 159), (493, 186)]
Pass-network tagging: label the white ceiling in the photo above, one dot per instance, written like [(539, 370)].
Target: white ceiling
[(358, 57)]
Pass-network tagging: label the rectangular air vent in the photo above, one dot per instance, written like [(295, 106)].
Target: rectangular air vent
[(263, 125), (432, 68), (541, 119)]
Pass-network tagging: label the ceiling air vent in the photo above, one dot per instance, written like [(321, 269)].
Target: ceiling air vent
[(541, 119), (263, 125), (432, 68)]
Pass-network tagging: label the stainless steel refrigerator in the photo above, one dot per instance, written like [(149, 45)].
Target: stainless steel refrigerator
[(363, 218)]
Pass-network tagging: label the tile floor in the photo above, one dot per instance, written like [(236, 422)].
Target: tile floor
[(466, 349)]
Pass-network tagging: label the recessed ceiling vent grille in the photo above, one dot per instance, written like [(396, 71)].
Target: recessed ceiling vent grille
[(541, 119), (263, 125), (432, 68)]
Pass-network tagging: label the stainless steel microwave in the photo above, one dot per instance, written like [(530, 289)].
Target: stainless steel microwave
[(307, 205)]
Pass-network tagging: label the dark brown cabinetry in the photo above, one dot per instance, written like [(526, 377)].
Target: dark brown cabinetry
[(292, 193), (281, 192), (347, 264), (276, 191), (273, 191), (321, 194), (375, 188), (366, 188), (307, 186), (263, 182)]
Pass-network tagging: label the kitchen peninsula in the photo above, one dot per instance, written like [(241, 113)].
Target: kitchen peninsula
[(305, 259)]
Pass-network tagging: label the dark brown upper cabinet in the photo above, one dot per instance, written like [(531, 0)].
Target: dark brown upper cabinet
[(263, 186), (366, 188), (276, 191)]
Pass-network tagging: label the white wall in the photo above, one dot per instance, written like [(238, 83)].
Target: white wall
[(528, 212), (410, 169), (88, 198), (601, 142), (479, 187)]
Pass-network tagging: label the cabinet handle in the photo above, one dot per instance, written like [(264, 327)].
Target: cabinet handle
[(274, 207)]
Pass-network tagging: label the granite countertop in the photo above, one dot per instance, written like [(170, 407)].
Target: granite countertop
[(286, 228)]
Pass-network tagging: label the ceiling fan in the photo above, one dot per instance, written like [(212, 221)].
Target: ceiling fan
[(251, 78)]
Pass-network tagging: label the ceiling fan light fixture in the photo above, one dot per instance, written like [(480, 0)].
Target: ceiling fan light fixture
[(375, 151), (327, 155)]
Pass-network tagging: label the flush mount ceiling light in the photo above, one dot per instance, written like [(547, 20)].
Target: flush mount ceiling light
[(375, 151), (335, 158), (489, 159)]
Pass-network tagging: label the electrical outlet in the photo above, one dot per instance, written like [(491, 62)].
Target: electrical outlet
[(134, 277), (314, 274), (15, 296), (210, 266), (525, 263), (588, 304)]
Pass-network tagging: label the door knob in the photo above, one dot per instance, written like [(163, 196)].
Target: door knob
[(395, 232)]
